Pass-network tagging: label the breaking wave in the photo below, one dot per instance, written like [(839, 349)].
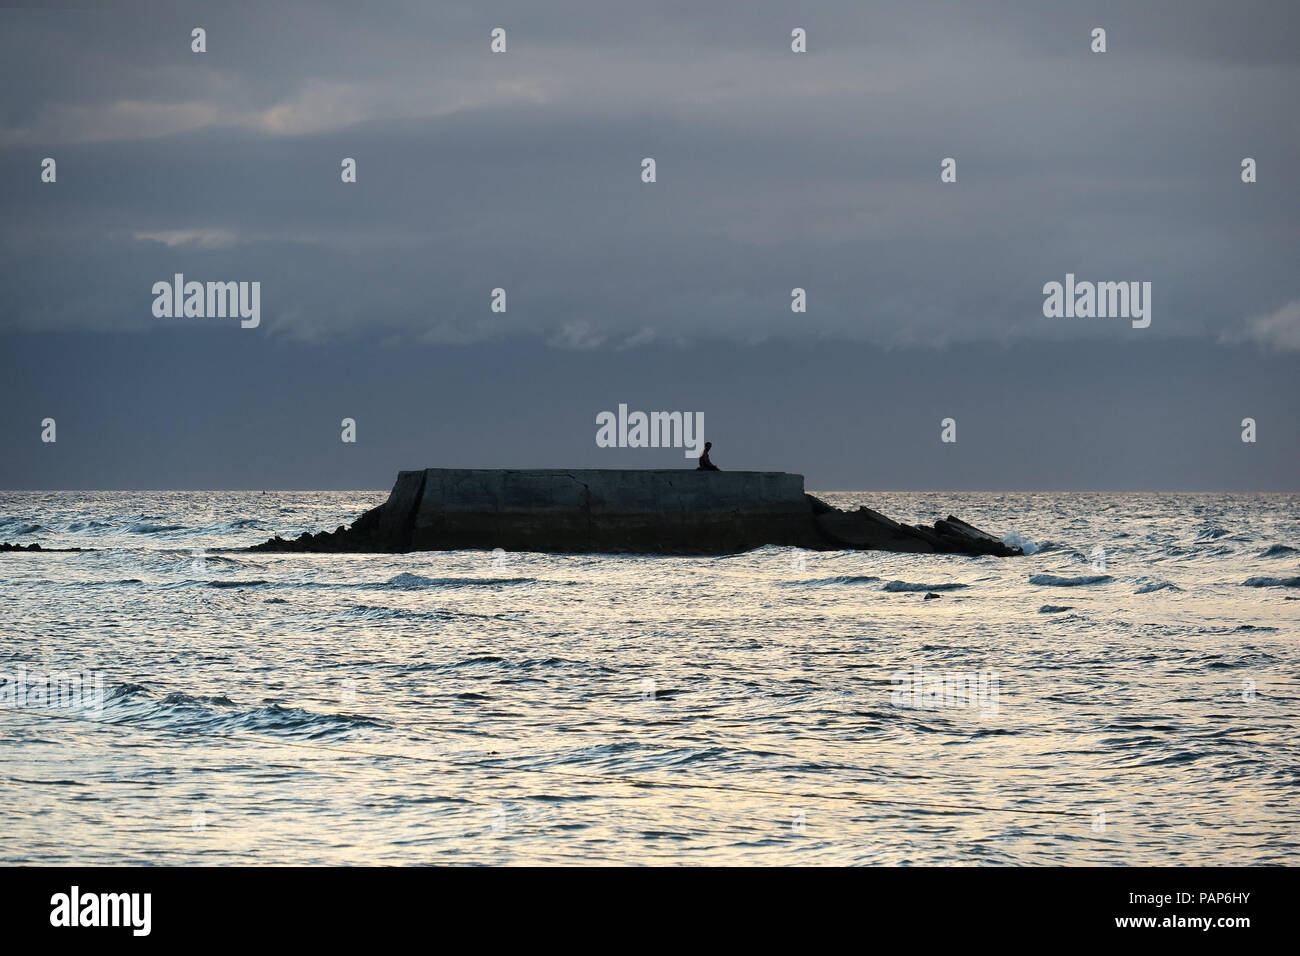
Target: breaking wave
[(147, 527), (1014, 539)]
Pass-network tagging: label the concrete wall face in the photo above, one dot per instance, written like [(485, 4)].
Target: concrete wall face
[(399, 511), (680, 510), (609, 492)]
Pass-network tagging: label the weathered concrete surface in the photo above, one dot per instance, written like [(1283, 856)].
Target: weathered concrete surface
[(679, 511)]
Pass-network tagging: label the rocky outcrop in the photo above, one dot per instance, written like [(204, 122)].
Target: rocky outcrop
[(869, 530), (640, 512), (6, 546)]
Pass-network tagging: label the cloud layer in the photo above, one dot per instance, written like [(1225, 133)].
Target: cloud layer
[(775, 170)]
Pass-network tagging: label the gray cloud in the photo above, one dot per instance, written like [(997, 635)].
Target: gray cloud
[(1279, 329), (775, 171)]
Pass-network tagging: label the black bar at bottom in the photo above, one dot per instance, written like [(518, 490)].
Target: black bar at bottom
[(334, 906)]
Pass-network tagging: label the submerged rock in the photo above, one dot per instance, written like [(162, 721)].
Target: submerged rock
[(638, 512)]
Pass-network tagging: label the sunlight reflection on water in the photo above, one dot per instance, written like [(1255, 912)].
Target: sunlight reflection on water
[(1151, 711)]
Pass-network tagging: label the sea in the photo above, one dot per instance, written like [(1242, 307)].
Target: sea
[(1127, 693)]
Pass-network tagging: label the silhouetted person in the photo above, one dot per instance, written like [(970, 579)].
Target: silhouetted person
[(705, 464)]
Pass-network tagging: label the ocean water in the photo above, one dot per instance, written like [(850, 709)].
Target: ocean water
[(1127, 694)]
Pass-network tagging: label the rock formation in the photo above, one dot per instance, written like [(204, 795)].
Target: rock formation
[(6, 546), (639, 512)]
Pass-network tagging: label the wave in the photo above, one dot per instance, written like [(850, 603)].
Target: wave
[(147, 527), (1217, 550), (179, 699), (1239, 628), (842, 579), (274, 718), (88, 525), (119, 691), (1014, 539), (244, 523), (1054, 580), (526, 664), (187, 713), (1262, 582), (417, 582), (1278, 551), (1054, 608), (1150, 585), (26, 529), (367, 612), (908, 586), (256, 582)]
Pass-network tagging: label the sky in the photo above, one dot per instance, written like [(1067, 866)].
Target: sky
[(775, 170)]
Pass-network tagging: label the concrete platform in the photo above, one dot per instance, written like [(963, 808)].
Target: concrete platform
[(639, 511)]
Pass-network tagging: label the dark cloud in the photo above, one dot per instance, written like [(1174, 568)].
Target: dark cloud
[(775, 171)]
